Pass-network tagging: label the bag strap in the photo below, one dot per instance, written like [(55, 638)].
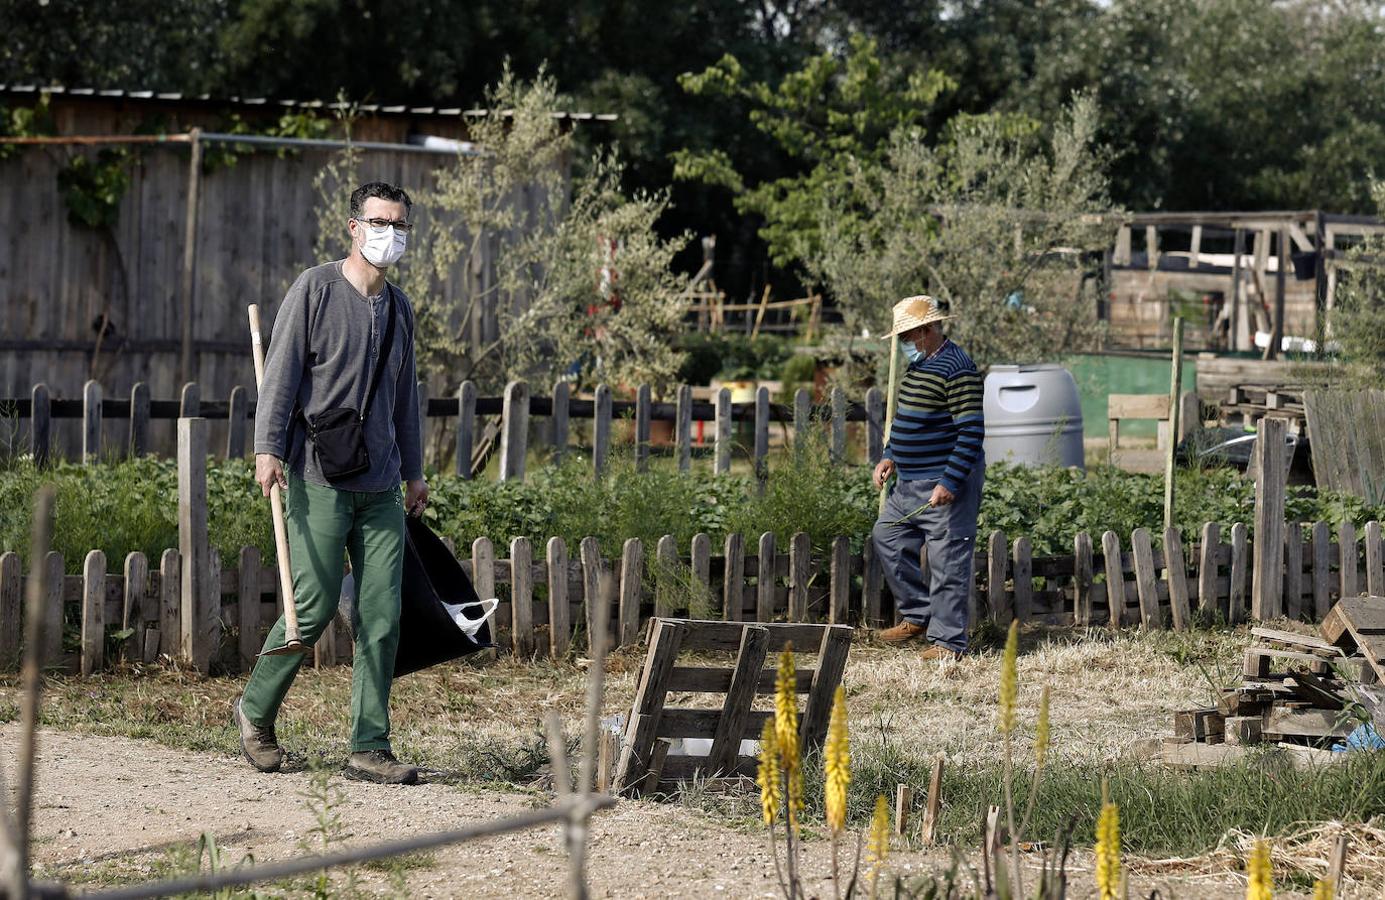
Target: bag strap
[(385, 348)]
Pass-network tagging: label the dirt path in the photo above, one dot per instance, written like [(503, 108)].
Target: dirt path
[(114, 809)]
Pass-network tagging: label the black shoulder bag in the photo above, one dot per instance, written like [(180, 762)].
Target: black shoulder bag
[(339, 434)]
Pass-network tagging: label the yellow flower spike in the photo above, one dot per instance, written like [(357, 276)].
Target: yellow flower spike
[(1108, 851), (878, 846), (1323, 890), (837, 764), (786, 734), (1041, 731), (771, 796), (1009, 679), (1259, 877)]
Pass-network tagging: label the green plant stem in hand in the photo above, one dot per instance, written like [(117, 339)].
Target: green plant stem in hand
[(907, 519)]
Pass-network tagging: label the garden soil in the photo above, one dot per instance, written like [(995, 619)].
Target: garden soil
[(114, 809)]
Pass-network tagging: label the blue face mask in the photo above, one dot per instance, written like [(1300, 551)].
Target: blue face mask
[(913, 353)]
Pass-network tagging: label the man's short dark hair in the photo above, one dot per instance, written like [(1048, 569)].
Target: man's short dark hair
[(384, 191)]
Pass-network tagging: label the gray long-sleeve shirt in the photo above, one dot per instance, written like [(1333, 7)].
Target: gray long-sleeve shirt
[(325, 344)]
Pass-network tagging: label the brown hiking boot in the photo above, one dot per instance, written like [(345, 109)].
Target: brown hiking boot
[(380, 767), (939, 652), (258, 745), (904, 631)]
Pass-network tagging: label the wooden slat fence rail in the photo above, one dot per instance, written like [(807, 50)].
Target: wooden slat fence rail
[(467, 412), (136, 614)]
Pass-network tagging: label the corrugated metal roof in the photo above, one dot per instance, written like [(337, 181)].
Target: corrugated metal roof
[(372, 108)]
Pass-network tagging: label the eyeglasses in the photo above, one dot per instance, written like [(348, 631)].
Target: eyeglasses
[(379, 225)]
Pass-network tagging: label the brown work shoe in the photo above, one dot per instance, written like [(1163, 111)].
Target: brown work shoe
[(380, 767), (938, 651), (259, 745), (904, 631)]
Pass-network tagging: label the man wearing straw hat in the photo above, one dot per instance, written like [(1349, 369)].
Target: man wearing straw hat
[(934, 451)]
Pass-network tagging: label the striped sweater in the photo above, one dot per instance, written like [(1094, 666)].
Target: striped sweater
[(938, 423)]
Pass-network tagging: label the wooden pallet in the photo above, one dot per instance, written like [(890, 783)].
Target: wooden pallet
[(645, 765)]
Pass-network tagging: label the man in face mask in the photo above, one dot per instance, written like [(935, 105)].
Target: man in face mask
[(337, 427), (935, 451)]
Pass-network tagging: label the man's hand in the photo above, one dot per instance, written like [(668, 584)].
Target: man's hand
[(415, 496), (269, 471), (883, 470), (941, 496)]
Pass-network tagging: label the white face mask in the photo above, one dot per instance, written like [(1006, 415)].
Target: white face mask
[(382, 248)]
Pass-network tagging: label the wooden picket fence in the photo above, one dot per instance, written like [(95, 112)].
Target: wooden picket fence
[(548, 594)]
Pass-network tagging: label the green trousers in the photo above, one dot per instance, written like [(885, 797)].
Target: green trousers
[(324, 524)]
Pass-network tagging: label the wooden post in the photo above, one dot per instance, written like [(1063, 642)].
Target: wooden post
[(11, 602), (1115, 578), (601, 429), (590, 551), (1175, 386), (466, 429), (1346, 545), (1238, 331), (170, 603), (139, 419), (52, 610), (1146, 578), (514, 436), (1236, 598), (764, 579), (733, 582), (562, 393), (683, 427), (802, 416), (134, 611), (522, 598), (483, 580), (1002, 609), (190, 401), (189, 272), (903, 803), (1207, 602), (248, 614), (839, 592), (761, 436), (666, 559), (1082, 579), (702, 569), (1023, 575), (1375, 565), (1176, 571), (41, 425), (735, 708), (631, 568), (872, 600), (1277, 319), (838, 445), (928, 834), (1293, 570), (832, 650), (1322, 570), (722, 464), (91, 422), (236, 413), (642, 413), (800, 561), (1267, 599), (200, 605), (93, 612), (559, 612), (875, 426), (664, 642)]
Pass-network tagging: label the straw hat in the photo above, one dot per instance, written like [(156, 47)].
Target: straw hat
[(911, 312)]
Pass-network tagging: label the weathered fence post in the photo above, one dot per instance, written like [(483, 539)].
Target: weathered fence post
[(522, 598), (683, 427), (590, 551), (41, 425), (11, 601), (643, 402), (1293, 570), (93, 612), (562, 394), (1375, 565), (722, 462), (1267, 598), (1207, 602), (170, 605), (761, 436), (601, 429), (200, 604), (466, 429), (91, 422), (1346, 545), (139, 419), (559, 613), (839, 590), (190, 402), (1115, 578), (838, 445), (1236, 595), (733, 581), (631, 569), (800, 561), (872, 599), (52, 654), (1022, 561), (1322, 570), (1082, 579), (1002, 611), (514, 436), (802, 416), (666, 565), (236, 414), (248, 611), (135, 612), (1176, 570), (1146, 578), (764, 579), (875, 425), (701, 563)]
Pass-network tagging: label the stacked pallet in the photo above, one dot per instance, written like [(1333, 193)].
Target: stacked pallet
[(1299, 692)]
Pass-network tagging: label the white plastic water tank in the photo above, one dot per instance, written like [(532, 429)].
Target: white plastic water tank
[(1033, 416)]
